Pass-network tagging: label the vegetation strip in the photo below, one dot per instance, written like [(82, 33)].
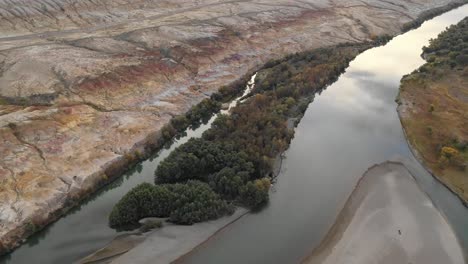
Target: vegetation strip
[(433, 107), (431, 13), (232, 163)]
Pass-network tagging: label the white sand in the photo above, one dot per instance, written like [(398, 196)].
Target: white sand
[(388, 219)]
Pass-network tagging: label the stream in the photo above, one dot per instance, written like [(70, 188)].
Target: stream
[(350, 126)]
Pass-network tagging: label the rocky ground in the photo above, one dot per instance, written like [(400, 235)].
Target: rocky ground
[(86, 85)]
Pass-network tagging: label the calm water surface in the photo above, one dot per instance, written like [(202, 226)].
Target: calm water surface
[(349, 127), (352, 125)]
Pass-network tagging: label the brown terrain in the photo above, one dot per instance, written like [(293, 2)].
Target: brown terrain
[(434, 114), (86, 85)]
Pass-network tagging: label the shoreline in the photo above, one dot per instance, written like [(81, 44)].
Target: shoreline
[(167, 244), (423, 164), (110, 171), (395, 183)]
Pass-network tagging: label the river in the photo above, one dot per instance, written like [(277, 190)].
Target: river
[(350, 126)]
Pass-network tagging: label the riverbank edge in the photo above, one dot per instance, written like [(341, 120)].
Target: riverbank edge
[(114, 255), (140, 151), (420, 159), (347, 213), (400, 100), (342, 220), (110, 172)]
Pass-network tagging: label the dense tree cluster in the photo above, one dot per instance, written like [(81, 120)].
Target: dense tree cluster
[(199, 158), (451, 46), (233, 161), (221, 164), (187, 203), (302, 73)]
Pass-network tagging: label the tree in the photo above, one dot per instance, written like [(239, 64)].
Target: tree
[(227, 182), (255, 194)]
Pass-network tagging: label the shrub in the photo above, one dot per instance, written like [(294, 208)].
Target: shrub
[(461, 145), (196, 202), (442, 162), (449, 152), (452, 156), (255, 194), (180, 123), (462, 59), (202, 111), (429, 130), (227, 182), (168, 132)]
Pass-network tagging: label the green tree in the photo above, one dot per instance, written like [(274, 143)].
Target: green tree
[(255, 194)]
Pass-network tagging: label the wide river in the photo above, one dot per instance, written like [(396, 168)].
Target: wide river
[(349, 127)]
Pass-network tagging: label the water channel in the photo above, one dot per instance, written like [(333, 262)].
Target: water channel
[(350, 126)]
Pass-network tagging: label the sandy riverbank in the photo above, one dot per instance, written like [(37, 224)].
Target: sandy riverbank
[(164, 245), (388, 219)]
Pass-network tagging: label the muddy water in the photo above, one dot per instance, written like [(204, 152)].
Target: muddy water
[(352, 125), (85, 229)]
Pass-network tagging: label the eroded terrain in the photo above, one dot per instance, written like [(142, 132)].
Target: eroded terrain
[(86, 85)]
